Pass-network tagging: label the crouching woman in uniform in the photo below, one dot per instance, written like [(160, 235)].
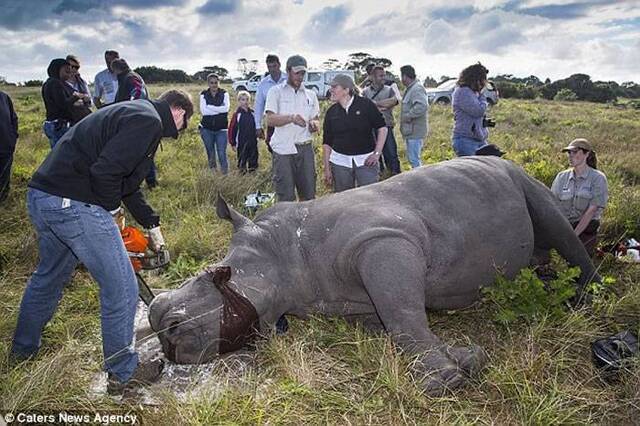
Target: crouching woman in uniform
[(582, 192)]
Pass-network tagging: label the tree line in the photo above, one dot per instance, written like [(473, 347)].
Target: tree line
[(575, 87)]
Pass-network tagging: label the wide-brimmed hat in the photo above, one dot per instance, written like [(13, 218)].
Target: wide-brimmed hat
[(579, 143)]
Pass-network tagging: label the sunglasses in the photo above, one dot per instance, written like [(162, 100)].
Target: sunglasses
[(75, 67)]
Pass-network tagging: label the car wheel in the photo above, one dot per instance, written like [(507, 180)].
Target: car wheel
[(443, 101), (240, 88), (328, 96)]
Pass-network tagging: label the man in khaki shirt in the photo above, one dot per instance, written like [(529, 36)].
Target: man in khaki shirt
[(293, 110)]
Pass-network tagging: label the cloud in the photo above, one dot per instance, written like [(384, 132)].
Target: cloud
[(336, 28), (488, 32), (452, 13), (558, 11), (440, 36), (46, 15), (219, 7), (327, 24)]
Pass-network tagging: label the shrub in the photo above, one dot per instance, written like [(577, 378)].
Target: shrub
[(565, 95), (526, 298)]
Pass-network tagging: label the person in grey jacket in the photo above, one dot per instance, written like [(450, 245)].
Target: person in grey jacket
[(413, 115), (469, 107)]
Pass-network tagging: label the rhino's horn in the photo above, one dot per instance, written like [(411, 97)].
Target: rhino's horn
[(225, 211)]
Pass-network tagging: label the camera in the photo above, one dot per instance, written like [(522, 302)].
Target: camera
[(488, 122)]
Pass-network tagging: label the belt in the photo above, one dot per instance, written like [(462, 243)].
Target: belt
[(302, 143)]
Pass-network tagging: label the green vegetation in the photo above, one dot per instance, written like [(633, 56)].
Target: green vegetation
[(325, 370)]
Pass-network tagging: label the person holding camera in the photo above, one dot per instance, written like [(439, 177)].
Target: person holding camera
[(469, 108), (582, 192)]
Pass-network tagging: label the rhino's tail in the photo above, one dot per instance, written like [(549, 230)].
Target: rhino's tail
[(553, 230)]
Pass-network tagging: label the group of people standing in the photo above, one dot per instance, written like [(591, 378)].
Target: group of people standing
[(67, 98), (358, 138)]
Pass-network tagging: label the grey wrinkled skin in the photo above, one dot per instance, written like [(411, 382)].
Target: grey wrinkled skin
[(429, 238)]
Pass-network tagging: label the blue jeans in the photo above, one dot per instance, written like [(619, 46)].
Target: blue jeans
[(414, 148), (390, 152), (67, 233), (464, 146), (54, 131), (215, 141)]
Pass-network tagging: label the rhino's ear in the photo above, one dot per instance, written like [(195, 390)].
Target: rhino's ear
[(224, 211)]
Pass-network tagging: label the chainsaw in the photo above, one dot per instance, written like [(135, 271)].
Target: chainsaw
[(143, 258)]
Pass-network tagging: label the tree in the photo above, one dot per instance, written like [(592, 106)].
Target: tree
[(358, 62), (33, 83), (331, 64), (582, 86), (221, 72), (153, 74), (430, 82)]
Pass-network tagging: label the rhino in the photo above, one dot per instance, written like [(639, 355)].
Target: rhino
[(383, 254)]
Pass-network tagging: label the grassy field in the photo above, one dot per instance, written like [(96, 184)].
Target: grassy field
[(323, 370)]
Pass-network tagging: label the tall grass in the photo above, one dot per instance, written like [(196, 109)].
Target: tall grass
[(325, 370)]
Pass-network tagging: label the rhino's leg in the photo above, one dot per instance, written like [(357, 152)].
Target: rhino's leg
[(393, 271), (552, 230)]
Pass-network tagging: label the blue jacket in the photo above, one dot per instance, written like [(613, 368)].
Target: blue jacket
[(469, 109)]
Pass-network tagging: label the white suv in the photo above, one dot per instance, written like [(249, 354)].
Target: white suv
[(442, 93), (250, 85)]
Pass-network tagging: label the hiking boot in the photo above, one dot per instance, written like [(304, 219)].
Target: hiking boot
[(145, 374)]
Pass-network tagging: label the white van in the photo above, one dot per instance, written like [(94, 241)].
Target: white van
[(317, 80), (320, 80)]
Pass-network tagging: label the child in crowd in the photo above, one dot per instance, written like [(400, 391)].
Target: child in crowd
[(242, 134)]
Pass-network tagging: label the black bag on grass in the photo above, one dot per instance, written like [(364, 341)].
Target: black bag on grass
[(610, 353)]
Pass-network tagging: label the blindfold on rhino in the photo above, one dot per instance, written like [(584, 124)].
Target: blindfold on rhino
[(203, 319)]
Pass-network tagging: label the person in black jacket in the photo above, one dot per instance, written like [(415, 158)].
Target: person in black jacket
[(130, 84), (8, 138), (242, 134), (130, 87), (354, 133), (59, 99), (97, 165)]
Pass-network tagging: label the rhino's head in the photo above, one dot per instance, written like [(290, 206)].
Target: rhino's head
[(208, 315)]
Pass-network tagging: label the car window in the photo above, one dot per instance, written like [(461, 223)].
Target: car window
[(449, 84), (314, 76), (256, 78)]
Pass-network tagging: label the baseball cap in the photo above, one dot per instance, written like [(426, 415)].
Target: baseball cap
[(579, 143), (296, 63), (343, 80)]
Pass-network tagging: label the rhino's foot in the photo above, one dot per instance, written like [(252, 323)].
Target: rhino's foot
[(470, 359), (438, 374)]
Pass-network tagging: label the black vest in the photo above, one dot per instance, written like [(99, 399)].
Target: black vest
[(217, 121)]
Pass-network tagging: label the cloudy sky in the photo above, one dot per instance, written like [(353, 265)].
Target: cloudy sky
[(439, 37)]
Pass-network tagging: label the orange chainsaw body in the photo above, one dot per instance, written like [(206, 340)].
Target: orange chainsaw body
[(135, 242)]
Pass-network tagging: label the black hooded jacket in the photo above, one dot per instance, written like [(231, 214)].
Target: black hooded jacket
[(57, 95), (8, 125), (103, 159)]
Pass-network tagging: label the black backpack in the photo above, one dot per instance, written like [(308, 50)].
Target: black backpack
[(610, 354)]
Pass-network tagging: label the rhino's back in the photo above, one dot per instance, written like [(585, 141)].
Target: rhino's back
[(469, 216)]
